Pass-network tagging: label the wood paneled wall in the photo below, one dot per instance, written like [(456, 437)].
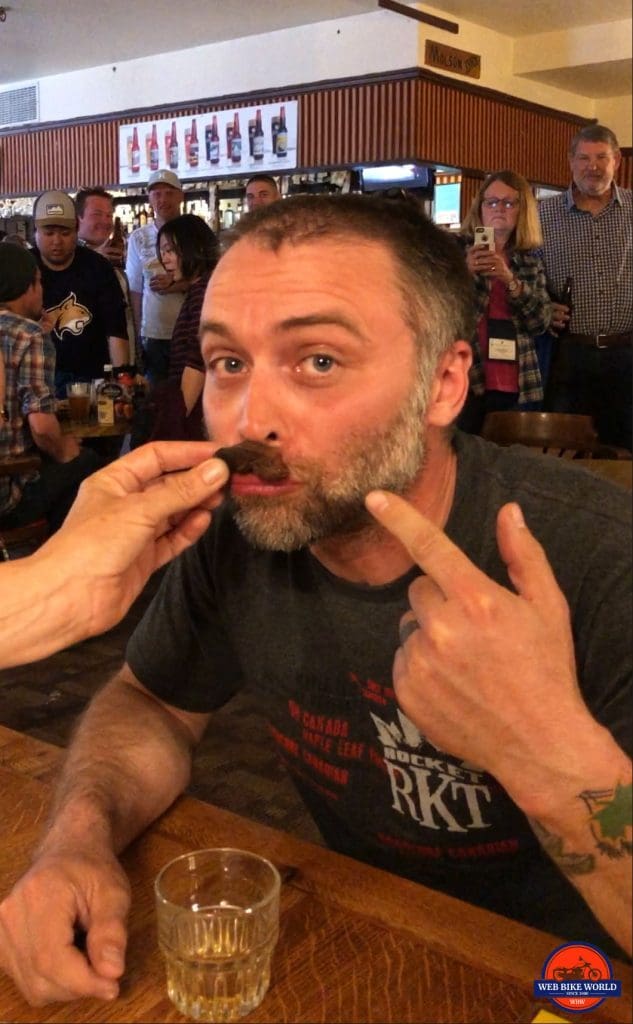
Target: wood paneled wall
[(411, 115)]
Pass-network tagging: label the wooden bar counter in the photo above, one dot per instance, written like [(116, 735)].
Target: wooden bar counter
[(356, 944)]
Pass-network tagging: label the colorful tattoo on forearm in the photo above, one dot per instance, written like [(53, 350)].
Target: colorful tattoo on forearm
[(610, 818)]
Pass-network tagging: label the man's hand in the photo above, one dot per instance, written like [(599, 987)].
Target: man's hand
[(131, 518), (63, 894), (489, 675), (560, 317)]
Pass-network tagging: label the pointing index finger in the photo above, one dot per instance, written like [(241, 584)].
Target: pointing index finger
[(428, 546)]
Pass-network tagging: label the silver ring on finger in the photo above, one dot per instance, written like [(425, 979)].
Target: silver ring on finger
[(406, 628)]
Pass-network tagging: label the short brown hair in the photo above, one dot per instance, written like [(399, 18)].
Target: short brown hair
[(84, 195), (431, 271), (594, 133)]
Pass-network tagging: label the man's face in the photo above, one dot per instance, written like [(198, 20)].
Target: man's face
[(96, 224), (260, 193), (56, 245), (593, 167), (307, 350), (165, 202)]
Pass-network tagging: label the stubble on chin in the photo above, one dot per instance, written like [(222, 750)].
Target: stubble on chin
[(328, 506)]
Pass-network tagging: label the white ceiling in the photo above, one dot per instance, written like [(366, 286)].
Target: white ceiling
[(45, 37)]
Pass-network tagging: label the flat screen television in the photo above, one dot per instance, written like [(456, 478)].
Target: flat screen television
[(410, 176)]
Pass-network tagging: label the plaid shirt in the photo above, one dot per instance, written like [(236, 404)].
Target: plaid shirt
[(29, 360), (596, 252), (531, 312)]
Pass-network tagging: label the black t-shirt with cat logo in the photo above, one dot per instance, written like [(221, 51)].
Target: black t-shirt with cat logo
[(87, 307)]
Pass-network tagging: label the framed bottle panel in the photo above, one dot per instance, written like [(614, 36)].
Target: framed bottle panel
[(241, 140)]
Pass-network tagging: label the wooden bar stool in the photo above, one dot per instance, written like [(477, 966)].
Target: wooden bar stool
[(17, 541)]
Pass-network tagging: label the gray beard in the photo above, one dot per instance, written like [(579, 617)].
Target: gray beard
[(325, 507)]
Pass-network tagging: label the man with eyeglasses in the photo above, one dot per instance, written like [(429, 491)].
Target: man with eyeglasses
[(587, 237)]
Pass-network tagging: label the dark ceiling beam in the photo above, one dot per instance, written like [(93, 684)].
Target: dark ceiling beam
[(411, 12)]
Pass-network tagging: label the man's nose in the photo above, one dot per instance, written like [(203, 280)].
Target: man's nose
[(260, 414)]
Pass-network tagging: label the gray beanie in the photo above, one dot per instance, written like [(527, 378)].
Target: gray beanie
[(17, 271)]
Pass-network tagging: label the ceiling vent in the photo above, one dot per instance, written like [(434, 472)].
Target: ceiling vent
[(19, 106)]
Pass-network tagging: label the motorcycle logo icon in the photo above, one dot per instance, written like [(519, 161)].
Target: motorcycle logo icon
[(577, 977)]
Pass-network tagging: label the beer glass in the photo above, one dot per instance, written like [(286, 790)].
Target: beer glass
[(78, 395), (218, 923)]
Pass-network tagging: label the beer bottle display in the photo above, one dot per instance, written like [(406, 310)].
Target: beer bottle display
[(135, 159), (154, 155), (173, 147), (282, 134), (236, 140), (258, 138), (212, 140), (193, 145)]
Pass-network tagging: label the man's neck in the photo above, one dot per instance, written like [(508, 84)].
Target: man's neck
[(374, 556), (592, 204), (58, 266)]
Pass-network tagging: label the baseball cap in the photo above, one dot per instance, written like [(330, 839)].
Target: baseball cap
[(54, 209), (164, 177), (17, 271)]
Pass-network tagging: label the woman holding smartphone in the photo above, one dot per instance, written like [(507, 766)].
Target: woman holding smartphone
[(512, 301)]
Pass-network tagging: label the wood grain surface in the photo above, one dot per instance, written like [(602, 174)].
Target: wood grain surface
[(356, 944)]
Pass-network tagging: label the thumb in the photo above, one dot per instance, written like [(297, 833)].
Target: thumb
[(106, 938), (525, 559), (177, 493)]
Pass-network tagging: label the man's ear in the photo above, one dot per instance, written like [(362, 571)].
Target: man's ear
[(450, 385)]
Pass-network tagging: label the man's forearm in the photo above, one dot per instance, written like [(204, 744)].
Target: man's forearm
[(588, 836), (119, 350), (129, 760)]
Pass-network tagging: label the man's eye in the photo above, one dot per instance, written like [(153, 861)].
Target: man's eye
[(226, 366), (320, 363)]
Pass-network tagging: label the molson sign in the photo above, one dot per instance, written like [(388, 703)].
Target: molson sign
[(239, 140)]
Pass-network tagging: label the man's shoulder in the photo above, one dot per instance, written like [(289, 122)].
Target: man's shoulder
[(553, 490), (14, 325), (144, 235)]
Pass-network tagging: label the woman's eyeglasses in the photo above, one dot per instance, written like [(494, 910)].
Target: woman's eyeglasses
[(507, 204)]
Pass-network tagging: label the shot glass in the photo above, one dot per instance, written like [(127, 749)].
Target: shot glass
[(78, 395), (218, 923)]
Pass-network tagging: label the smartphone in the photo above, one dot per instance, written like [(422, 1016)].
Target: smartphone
[(485, 236)]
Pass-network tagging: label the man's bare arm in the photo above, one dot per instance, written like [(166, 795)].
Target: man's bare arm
[(119, 349), (489, 675), (129, 759)]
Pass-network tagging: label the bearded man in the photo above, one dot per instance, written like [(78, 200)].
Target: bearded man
[(456, 611)]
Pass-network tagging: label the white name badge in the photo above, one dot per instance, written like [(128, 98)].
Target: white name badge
[(502, 348)]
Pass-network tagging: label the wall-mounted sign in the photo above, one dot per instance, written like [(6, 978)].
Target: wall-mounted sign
[(447, 58), (241, 140)]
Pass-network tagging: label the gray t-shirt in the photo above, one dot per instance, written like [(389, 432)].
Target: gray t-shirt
[(319, 651)]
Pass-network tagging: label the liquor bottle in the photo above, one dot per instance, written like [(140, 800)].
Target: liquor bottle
[(118, 235), (135, 158), (282, 134), (173, 147), (258, 138), (154, 155), (213, 141), (193, 145), (108, 395), (236, 140)]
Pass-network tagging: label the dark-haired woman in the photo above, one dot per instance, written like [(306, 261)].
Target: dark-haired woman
[(188, 249)]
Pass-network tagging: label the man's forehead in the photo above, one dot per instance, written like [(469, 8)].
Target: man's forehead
[(99, 203)]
